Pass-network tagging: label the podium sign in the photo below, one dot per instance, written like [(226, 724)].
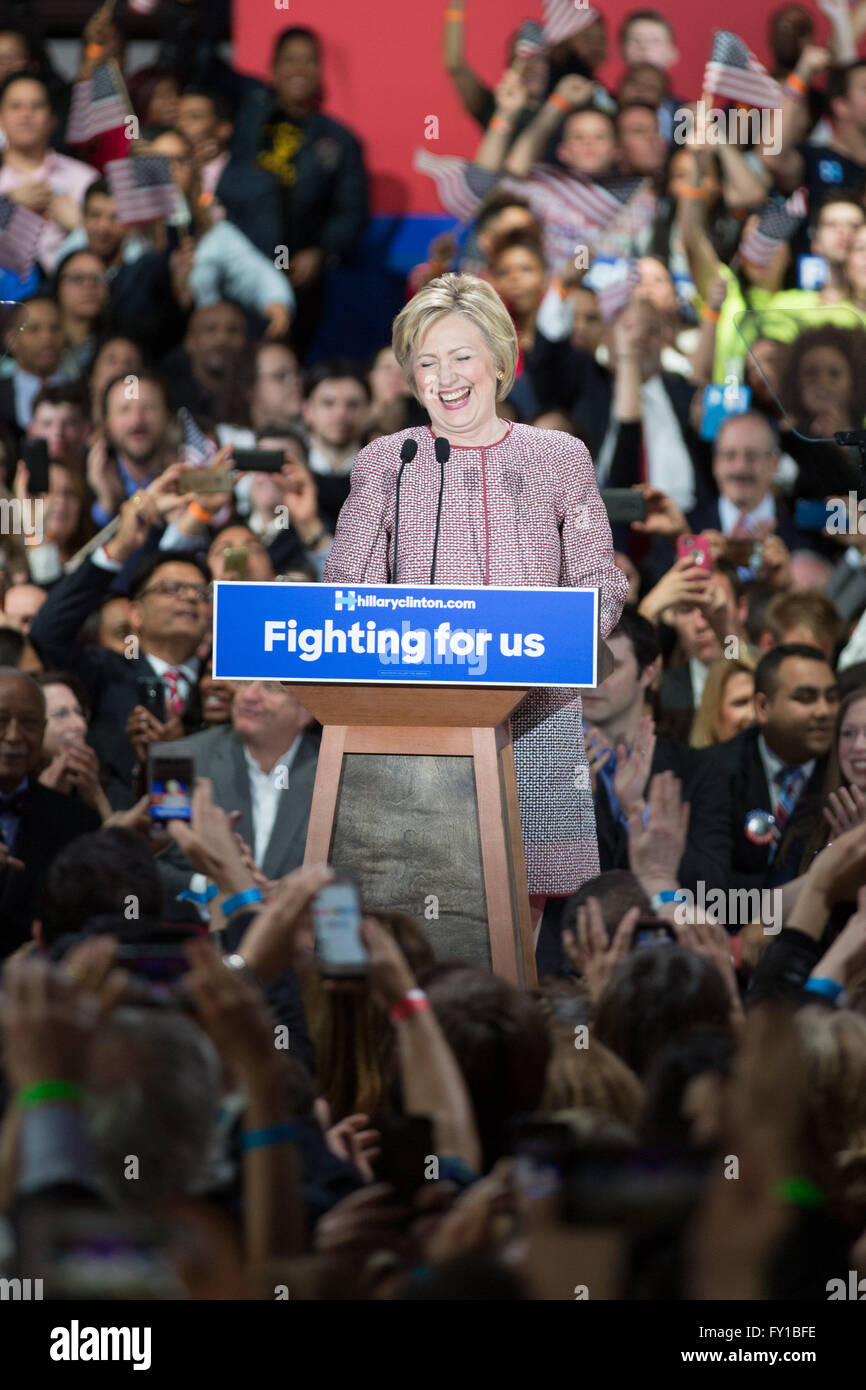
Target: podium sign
[(420, 635)]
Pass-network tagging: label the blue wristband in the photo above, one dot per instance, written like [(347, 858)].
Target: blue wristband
[(264, 1138), (249, 895), (830, 989), (190, 896), (667, 895)]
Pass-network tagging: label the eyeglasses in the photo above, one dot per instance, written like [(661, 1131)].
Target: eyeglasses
[(747, 455), (177, 590)]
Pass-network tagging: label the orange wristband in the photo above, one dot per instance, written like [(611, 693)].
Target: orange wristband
[(455, 16), (694, 195), (796, 84), (199, 513), (94, 50), (710, 315), (498, 123), (560, 102)]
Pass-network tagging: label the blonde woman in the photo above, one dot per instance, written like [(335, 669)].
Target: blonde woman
[(727, 704), (519, 506)]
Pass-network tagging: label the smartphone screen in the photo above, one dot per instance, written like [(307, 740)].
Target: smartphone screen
[(34, 454), (405, 1148), (336, 914), (171, 777)]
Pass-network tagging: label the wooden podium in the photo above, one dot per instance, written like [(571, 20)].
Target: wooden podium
[(432, 766)]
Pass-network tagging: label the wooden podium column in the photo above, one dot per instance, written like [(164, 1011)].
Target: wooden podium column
[(430, 722)]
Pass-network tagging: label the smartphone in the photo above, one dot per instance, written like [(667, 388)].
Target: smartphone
[(235, 561), (258, 460), (44, 563), (205, 480), (170, 782), (652, 931), (34, 454), (812, 515), (405, 1149), (80, 1251), (150, 694), (336, 914), (624, 505), (696, 549)]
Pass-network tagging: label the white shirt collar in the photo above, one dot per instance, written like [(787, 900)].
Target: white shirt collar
[(729, 514), (320, 463), (188, 669), (285, 760)]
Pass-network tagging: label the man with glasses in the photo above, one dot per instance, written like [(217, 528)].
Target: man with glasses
[(745, 460), (169, 615), (35, 821)]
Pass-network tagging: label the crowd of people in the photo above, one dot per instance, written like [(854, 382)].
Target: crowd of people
[(177, 1077)]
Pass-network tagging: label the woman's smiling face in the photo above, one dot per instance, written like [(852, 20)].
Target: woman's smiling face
[(455, 376)]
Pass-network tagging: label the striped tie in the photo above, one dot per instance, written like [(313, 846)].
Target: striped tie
[(174, 702), (790, 782)]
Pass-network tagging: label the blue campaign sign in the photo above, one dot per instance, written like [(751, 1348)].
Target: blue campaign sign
[(425, 635)]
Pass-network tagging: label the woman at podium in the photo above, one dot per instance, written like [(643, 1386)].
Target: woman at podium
[(507, 504)]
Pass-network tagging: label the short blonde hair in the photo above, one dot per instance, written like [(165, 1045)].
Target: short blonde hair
[(476, 301)]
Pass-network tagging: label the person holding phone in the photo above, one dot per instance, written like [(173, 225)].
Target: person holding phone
[(520, 506)]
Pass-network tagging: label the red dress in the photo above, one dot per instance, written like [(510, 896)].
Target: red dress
[(523, 512)]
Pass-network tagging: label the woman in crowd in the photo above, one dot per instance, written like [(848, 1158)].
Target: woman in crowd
[(727, 703), (81, 290), (70, 764)]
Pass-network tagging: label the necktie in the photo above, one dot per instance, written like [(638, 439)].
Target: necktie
[(790, 782), (174, 700)]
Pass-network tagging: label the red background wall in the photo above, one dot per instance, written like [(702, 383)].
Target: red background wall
[(384, 75)]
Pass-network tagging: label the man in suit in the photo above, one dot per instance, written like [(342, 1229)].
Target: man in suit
[(613, 712), (263, 764), (35, 821), (168, 618), (745, 459), (783, 756)]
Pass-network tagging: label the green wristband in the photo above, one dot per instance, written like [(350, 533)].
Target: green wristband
[(49, 1090), (799, 1192)]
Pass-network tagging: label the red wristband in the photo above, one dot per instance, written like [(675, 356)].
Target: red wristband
[(415, 1002)]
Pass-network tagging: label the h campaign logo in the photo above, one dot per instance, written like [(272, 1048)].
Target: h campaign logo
[(342, 600)]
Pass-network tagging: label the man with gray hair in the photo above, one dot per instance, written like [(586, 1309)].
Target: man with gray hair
[(745, 459)]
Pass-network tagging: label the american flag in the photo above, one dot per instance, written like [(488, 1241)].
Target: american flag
[(593, 203), (20, 230), (565, 18), (614, 296), (99, 104), (777, 224), (142, 187), (461, 186), (530, 40), (197, 449), (734, 73)]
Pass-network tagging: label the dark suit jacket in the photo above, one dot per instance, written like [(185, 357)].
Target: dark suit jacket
[(219, 755), (48, 823), (738, 770), (109, 677), (708, 846), (676, 703), (7, 404), (706, 518)]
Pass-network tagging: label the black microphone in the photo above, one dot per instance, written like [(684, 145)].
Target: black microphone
[(407, 453), (442, 449)]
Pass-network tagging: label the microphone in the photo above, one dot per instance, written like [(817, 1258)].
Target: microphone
[(407, 453), (442, 450)]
